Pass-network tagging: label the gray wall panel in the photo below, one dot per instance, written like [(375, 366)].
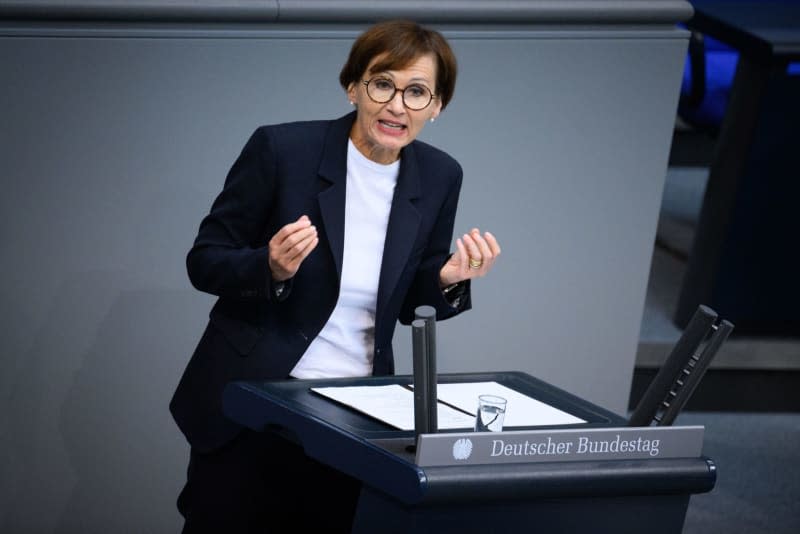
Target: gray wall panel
[(112, 149), (327, 11)]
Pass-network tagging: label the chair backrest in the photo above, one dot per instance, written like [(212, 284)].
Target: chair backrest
[(680, 374), (707, 81)]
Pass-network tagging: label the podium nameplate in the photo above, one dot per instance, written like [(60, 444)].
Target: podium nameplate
[(567, 445)]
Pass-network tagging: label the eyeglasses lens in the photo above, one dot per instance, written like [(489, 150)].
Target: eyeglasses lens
[(415, 97)]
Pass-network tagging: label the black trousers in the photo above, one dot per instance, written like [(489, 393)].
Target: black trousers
[(261, 482)]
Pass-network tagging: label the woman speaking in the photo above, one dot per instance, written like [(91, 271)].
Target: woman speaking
[(325, 234)]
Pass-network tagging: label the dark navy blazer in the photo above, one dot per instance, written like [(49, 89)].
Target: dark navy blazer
[(283, 172)]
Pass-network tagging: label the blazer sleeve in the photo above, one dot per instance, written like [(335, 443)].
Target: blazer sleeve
[(425, 288), (229, 257)]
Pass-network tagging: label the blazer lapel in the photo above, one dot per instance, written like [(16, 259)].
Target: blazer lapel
[(404, 218), (404, 221), (333, 170)]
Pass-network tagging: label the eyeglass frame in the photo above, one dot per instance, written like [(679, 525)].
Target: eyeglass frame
[(402, 93)]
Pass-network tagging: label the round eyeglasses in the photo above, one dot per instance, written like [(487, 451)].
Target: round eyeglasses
[(382, 90)]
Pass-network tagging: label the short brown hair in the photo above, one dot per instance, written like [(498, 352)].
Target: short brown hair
[(403, 42)]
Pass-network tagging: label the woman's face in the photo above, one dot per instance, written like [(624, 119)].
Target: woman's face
[(381, 130)]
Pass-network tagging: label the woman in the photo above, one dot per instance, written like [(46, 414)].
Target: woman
[(324, 235)]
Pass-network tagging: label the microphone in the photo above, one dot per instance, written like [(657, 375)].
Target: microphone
[(424, 348)]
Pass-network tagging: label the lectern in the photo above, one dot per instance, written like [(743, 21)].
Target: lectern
[(398, 496)]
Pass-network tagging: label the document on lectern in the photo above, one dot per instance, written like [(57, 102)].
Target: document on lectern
[(457, 405), (394, 404), (521, 410)]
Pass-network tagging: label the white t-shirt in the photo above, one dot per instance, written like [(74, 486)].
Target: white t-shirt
[(346, 344)]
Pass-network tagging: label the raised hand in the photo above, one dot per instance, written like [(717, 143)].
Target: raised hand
[(473, 258), (290, 246)]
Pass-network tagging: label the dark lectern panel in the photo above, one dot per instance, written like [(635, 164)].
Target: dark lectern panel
[(569, 479), (652, 514)]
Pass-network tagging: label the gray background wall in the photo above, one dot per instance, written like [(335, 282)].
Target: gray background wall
[(116, 136)]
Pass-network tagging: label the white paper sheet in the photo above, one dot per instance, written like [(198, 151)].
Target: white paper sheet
[(521, 410), (394, 405)]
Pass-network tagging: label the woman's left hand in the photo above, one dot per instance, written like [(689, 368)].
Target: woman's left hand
[(474, 258)]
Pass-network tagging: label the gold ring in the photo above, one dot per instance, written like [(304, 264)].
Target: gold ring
[(475, 264)]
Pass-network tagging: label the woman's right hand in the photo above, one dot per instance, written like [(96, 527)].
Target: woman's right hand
[(290, 246)]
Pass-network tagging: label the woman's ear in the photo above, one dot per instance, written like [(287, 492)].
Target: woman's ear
[(351, 93), (437, 108)]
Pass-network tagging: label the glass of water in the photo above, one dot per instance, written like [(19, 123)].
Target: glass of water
[(491, 413)]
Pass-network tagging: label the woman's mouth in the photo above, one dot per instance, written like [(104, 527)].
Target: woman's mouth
[(391, 128)]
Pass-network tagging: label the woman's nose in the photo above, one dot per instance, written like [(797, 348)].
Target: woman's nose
[(396, 103)]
